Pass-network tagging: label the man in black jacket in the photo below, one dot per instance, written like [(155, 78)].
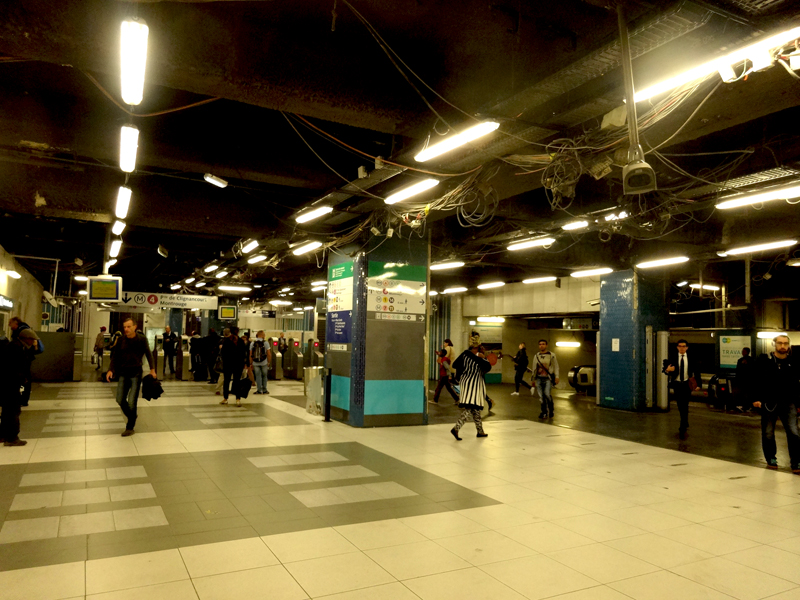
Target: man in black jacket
[(684, 374), (14, 365), (127, 363), (211, 348), (520, 369), (169, 342), (779, 378)]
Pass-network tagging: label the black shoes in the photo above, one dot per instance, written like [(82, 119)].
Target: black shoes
[(542, 415), (16, 442), (454, 431), (482, 435), (127, 432)]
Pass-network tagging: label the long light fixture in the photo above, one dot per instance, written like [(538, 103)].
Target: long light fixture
[(794, 262), (592, 272), (710, 288), (769, 335), (319, 288), (453, 264), (83, 292), (123, 202), (539, 280), (682, 283), (256, 259), (411, 190), (118, 227), (319, 283), (210, 268), (760, 247), (575, 225), (234, 288), (81, 278), (756, 53), (175, 286), (454, 290), (675, 260), (286, 289), (305, 248), (778, 193), (315, 213), (189, 280), (546, 241), (116, 246), (133, 59), (568, 344), (433, 293), (280, 303), (491, 320), (457, 140), (200, 284), (111, 263), (493, 284), (221, 274), (128, 146), (13, 274), (297, 309), (308, 308), (214, 180), (249, 246)]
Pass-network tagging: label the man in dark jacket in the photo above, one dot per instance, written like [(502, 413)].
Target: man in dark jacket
[(127, 363), (743, 383), (17, 326), (520, 369), (681, 369), (14, 365), (779, 380), (211, 348), (169, 342)]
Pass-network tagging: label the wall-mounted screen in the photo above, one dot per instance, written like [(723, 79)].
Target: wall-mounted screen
[(227, 313), (104, 288)]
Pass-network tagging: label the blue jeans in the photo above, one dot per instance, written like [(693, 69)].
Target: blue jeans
[(260, 371), (128, 397), (787, 413), (544, 385)]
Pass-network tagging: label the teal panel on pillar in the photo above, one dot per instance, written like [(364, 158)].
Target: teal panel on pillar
[(393, 397), (340, 392)]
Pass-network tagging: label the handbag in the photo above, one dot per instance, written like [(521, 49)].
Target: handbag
[(218, 367), (244, 384), (692, 384)]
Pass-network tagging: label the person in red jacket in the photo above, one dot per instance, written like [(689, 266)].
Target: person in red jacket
[(444, 360)]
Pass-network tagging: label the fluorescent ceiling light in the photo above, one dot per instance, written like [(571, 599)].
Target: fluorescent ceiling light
[(779, 193), (319, 288), (682, 283), (133, 59), (200, 284), (615, 217), (128, 145), (189, 280), (531, 243), (539, 280), (568, 344), (118, 227), (249, 246), (13, 274), (175, 286), (221, 274), (411, 190), (754, 52), (457, 140), (83, 292), (454, 290), (313, 214), (256, 259), (81, 278), (286, 289), (258, 286), (575, 225), (676, 260), (433, 293), (214, 180), (722, 253), (472, 323), (210, 268), (491, 320), (246, 298), (116, 245), (454, 264), (297, 309), (592, 272), (111, 263), (234, 288), (280, 303), (710, 288), (123, 202), (319, 283), (760, 247), (795, 262), (494, 284), (306, 248), (594, 302), (769, 335)]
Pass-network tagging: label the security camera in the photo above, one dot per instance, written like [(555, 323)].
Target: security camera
[(638, 177)]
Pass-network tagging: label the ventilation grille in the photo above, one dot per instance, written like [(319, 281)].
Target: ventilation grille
[(754, 7), (744, 181)]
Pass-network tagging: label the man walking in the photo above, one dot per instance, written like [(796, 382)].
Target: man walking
[(211, 348), (127, 363), (545, 376), (99, 346), (260, 357), (520, 369), (685, 378), (744, 380), (170, 339), (779, 379), (14, 367)]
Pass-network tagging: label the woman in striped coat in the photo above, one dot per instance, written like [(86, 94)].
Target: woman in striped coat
[(470, 368)]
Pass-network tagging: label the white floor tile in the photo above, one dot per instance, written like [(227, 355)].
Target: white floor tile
[(388, 591), (750, 529), (135, 570), (24, 530), (304, 545), (485, 547), (548, 509), (120, 493), (389, 489), (31, 479), (658, 550), (408, 561), (663, 585), (44, 583), (441, 525), (335, 574), (226, 557), (767, 559), (176, 590), (598, 527), (545, 537), (36, 500), (85, 475), (497, 516), (126, 472), (707, 539), (84, 524), (95, 495), (646, 518), (265, 582), (538, 577), (379, 534), (315, 498), (458, 585), (603, 563), (138, 518), (734, 579)]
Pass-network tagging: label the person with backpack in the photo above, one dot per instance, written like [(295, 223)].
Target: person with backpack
[(99, 346), (545, 376), (260, 357)]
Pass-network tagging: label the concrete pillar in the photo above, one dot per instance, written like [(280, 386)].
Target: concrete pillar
[(375, 335), (628, 304)]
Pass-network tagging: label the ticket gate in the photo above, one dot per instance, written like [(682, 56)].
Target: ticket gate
[(275, 371), (313, 357), (293, 362)]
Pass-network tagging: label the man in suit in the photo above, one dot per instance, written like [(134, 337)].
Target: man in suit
[(684, 374)]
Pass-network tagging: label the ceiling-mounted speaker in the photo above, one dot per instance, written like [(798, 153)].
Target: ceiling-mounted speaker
[(163, 251), (638, 177)]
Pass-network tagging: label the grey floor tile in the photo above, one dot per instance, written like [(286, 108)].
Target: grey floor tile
[(169, 488), (218, 509), (209, 525), (126, 472), (25, 555), (187, 512), (216, 536), (138, 491), (85, 475), (251, 505), (138, 518)]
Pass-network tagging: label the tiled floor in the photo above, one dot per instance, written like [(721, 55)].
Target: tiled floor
[(205, 502)]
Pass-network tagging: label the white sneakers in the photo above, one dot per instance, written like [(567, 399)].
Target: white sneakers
[(533, 391), (515, 393)]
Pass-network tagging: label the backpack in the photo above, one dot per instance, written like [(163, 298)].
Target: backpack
[(259, 351)]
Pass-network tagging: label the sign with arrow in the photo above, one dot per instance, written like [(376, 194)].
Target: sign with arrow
[(159, 300)]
